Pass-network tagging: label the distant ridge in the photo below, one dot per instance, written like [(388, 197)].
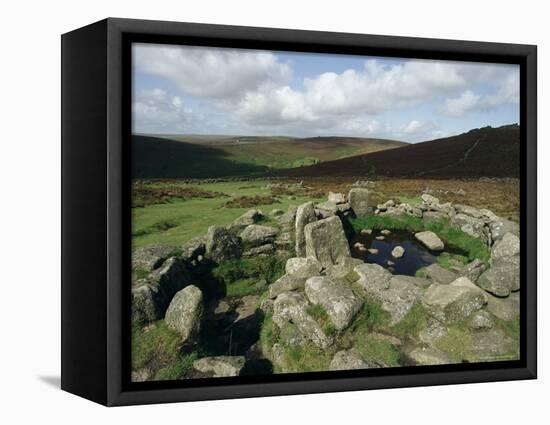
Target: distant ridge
[(489, 152)]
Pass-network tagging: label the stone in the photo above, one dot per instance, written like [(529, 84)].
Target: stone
[(472, 270), (192, 249), (276, 212), (411, 280), (434, 216), (385, 232), (433, 331), (152, 296), (305, 214), (256, 235), (248, 218), (286, 283), (142, 375), (296, 326), (396, 296), (428, 356), (472, 226), (492, 345), (303, 267), (288, 219), (508, 246), (338, 300), (185, 312), (455, 301), (329, 206), (358, 199), (440, 275), (337, 198), (365, 232), (398, 252), (429, 199), (380, 238), (222, 245), (373, 251), (471, 211), (326, 241), (266, 305), (220, 366), (500, 226), (504, 308), (246, 308), (259, 251), (430, 240), (343, 208), (343, 269), (151, 257), (481, 320), (502, 277), (358, 245), (349, 360)]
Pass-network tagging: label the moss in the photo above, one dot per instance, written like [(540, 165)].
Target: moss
[(413, 322), (307, 358), (178, 369), (139, 273), (377, 350), (421, 272), (320, 315), (447, 260), (457, 342)]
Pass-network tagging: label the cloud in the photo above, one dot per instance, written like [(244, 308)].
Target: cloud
[(466, 102), (211, 73)]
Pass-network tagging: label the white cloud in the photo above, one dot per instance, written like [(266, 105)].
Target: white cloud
[(209, 72), (467, 101)]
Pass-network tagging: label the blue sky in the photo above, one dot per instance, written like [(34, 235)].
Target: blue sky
[(197, 90)]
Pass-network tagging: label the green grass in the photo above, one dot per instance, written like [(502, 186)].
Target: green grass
[(159, 349), (415, 320), (377, 350), (308, 358), (447, 259), (457, 341), (411, 200), (320, 315)]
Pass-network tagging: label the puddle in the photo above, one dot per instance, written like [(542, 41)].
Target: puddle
[(416, 254)]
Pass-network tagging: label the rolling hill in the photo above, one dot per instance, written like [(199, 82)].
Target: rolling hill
[(223, 156), (490, 152)]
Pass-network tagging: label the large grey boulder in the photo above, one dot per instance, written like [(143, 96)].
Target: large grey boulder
[(286, 283), (303, 267), (430, 240), (305, 214), (152, 295), (330, 207), (326, 241), (472, 226), (296, 326), (220, 366), (193, 248), (468, 210), (349, 360), (337, 198), (508, 246), (492, 345), (433, 331), (429, 200), (222, 245), (502, 277), (396, 296), (338, 300), (472, 270), (504, 308), (257, 235), (288, 219), (185, 312), (500, 226), (248, 218), (428, 356), (440, 275), (343, 269), (411, 280), (358, 199), (434, 216), (151, 257), (262, 250), (455, 301)]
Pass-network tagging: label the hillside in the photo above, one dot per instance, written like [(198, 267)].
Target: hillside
[(221, 156), (490, 152)]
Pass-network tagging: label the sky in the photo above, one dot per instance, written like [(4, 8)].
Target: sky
[(203, 90)]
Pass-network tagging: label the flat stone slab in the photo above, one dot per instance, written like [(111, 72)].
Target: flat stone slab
[(440, 275), (430, 240)]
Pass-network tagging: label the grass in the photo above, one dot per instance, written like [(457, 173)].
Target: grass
[(377, 350), (320, 315), (457, 341), (455, 239), (448, 259), (415, 320), (158, 348), (307, 358)]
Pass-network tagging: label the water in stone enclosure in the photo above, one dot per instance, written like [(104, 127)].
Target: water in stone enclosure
[(416, 255)]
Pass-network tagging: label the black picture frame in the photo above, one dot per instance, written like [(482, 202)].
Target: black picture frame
[(96, 88)]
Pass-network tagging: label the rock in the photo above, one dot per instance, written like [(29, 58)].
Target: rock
[(434, 216), (185, 313), (440, 275), (337, 299), (288, 219), (365, 232), (329, 206), (429, 199), (349, 360), (430, 240), (472, 270), (256, 235), (248, 218), (193, 248), (259, 250), (380, 238), (343, 208), (492, 345), (220, 366), (266, 306), (385, 232), (398, 252), (455, 301), (472, 226), (504, 308), (286, 283), (343, 269), (428, 356), (499, 227), (372, 251), (508, 246), (142, 375), (481, 320), (396, 296), (337, 198), (411, 280), (304, 215), (296, 326), (303, 267), (502, 278), (326, 241), (152, 296), (276, 212), (284, 241), (358, 200), (151, 257), (433, 331), (222, 245), (471, 211), (246, 308)]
